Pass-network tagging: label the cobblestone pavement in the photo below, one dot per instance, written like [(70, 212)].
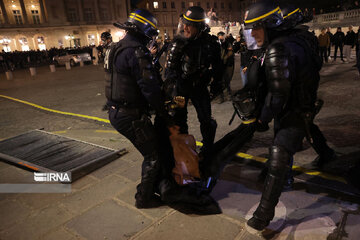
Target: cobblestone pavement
[(101, 204)]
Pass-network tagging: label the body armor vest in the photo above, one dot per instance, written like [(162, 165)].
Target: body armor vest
[(192, 58), (121, 88)]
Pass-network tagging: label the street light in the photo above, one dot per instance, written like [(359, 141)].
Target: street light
[(69, 37)]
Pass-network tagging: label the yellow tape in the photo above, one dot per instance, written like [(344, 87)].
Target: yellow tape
[(56, 111), (263, 16)]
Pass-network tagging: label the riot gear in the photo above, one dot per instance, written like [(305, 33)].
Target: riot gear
[(191, 64), (132, 86), (291, 65), (194, 16), (263, 14), (142, 22), (292, 16)]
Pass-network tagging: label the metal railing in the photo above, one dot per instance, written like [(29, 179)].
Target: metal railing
[(345, 18)]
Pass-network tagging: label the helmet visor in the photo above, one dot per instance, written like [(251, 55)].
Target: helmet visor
[(250, 41)]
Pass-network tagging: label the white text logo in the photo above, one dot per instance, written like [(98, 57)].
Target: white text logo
[(52, 177)]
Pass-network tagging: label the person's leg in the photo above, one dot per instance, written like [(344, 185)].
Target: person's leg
[(327, 54), (180, 117), (140, 131), (287, 141), (341, 52), (326, 154), (335, 52), (202, 104)]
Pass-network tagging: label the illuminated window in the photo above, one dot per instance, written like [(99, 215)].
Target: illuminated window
[(24, 44), (191, 4), (17, 17), (5, 43), (35, 16), (156, 5), (91, 39), (41, 43)]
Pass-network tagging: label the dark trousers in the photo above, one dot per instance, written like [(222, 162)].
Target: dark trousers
[(328, 51), (323, 54), (341, 51), (200, 98), (139, 130)]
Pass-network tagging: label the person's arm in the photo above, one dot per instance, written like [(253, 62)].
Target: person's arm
[(216, 86), (138, 62), (277, 71)]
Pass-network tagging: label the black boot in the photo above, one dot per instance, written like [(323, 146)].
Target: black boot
[(273, 186), (326, 154), (145, 196)]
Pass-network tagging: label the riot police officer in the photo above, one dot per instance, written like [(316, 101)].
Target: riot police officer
[(193, 60), (294, 18), (292, 78), (132, 85)]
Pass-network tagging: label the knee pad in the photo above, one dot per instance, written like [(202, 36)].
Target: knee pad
[(279, 160)]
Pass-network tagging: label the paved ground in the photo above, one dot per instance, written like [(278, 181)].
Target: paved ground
[(101, 205)]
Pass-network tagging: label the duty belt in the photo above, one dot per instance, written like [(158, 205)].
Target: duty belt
[(130, 111)]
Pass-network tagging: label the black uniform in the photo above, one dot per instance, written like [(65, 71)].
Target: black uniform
[(292, 73), (132, 85), (338, 40), (188, 68)]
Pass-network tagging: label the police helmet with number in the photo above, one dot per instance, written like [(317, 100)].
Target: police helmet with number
[(145, 22), (264, 14), (194, 16)]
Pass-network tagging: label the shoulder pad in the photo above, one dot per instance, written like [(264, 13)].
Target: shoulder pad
[(277, 48)]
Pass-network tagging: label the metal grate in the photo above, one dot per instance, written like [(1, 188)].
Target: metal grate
[(43, 151)]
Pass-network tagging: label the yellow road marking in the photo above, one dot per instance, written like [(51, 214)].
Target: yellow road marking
[(294, 167), (106, 131), (242, 155), (56, 111), (59, 132)]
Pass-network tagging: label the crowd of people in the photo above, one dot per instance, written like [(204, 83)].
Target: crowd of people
[(10, 61), (342, 43)]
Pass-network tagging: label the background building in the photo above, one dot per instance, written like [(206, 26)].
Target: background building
[(167, 12), (43, 24)]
